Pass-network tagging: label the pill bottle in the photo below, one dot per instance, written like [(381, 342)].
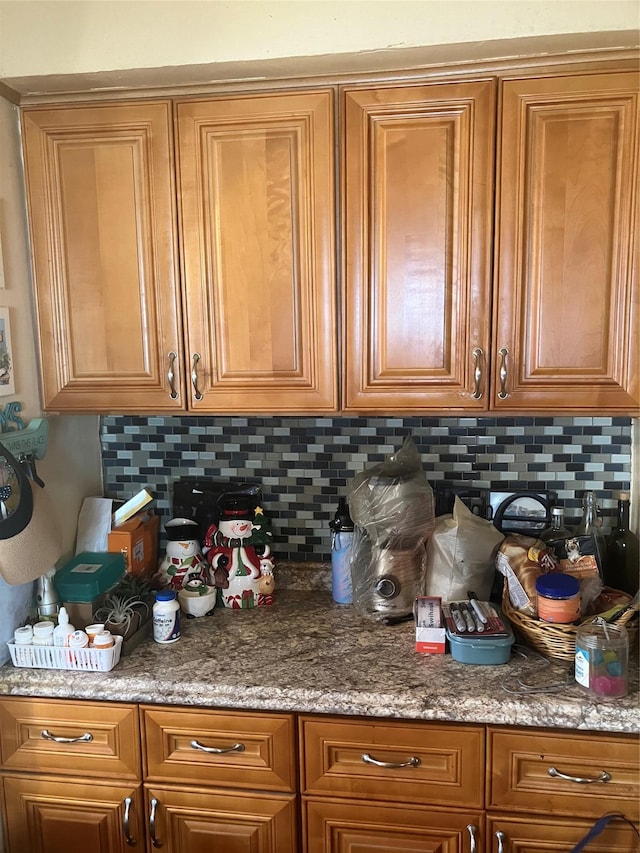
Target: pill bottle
[(24, 635), (558, 597), (92, 630), (102, 640), (166, 617), (78, 640), (602, 659), (43, 634), (63, 628)]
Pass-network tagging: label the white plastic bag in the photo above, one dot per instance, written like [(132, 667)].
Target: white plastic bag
[(461, 555)]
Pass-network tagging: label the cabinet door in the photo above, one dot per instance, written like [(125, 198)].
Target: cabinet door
[(528, 834), (257, 204), (418, 201), (101, 206), (355, 827), (567, 302), (203, 820), (63, 816)]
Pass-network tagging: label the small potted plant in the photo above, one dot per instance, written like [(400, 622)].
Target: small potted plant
[(127, 607)]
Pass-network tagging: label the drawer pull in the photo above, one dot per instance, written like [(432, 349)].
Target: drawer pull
[(214, 750), (503, 352), (501, 838), (125, 823), (194, 375), (390, 765), (152, 823), (87, 737), (603, 776), (471, 829)]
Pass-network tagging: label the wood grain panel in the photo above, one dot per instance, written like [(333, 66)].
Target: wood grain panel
[(266, 760), (449, 769), (567, 298), (354, 827), (44, 816), (521, 834), (257, 208), (232, 822), (418, 178), (101, 207), (112, 753)]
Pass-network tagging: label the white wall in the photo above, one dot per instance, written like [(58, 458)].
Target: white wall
[(39, 37)]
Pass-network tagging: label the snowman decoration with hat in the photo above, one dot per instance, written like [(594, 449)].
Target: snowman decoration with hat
[(239, 553)]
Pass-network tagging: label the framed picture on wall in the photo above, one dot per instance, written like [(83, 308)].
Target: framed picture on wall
[(7, 385)]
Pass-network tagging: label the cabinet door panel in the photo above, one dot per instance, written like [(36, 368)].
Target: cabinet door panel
[(193, 821), (51, 816), (356, 827), (567, 300), (525, 835), (258, 205), (101, 205), (417, 234)]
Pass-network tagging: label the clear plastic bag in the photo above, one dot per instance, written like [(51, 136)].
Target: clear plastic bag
[(461, 555), (392, 507)]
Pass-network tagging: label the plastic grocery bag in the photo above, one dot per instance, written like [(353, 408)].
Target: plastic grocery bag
[(461, 555), (391, 505)]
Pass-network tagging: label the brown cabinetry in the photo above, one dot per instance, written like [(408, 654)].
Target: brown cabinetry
[(257, 209), (393, 785), (71, 776), (548, 787), (418, 207), (215, 778)]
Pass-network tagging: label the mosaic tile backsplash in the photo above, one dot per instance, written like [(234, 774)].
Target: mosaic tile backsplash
[(304, 464)]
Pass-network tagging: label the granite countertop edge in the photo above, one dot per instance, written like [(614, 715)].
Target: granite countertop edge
[(306, 654)]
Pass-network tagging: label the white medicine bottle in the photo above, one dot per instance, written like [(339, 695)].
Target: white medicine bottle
[(63, 629), (166, 617)]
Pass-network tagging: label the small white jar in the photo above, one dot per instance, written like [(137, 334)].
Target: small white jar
[(166, 617), (43, 634), (23, 636)]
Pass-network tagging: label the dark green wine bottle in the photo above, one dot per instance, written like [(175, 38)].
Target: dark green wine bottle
[(623, 552)]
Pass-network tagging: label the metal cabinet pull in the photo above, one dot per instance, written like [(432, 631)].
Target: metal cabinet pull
[(171, 377), (471, 829), (503, 352), (603, 776), (478, 357), (390, 765), (194, 375), (214, 750), (501, 839), (87, 737), (125, 823), (152, 823)]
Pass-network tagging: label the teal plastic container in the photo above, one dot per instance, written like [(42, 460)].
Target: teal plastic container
[(88, 575), (482, 650)]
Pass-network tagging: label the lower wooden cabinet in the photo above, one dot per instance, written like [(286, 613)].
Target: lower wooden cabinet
[(349, 826), (526, 834), (53, 815)]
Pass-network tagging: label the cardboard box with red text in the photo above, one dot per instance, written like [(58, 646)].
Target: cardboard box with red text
[(430, 635)]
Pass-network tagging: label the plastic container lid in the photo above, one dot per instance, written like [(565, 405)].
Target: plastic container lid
[(23, 635), (557, 585), (165, 595), (88, 575)]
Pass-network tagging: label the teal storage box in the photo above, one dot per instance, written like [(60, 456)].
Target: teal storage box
[(486, 649), (88, 575)]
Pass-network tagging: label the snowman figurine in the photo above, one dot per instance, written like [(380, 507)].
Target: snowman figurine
[(183, 560), (239, 553)]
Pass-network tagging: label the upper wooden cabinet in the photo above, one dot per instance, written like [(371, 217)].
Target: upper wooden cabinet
[(418, 210), (102, 211), (567, 304), (257, 204), (257, 211)]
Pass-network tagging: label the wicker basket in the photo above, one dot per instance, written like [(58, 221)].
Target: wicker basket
[(551, 639)]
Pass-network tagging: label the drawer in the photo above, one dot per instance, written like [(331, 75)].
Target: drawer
[(70, 738), (195, 746), (405, 762), (524, 764)]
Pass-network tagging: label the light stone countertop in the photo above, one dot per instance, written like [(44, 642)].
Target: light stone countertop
[(307, 654)]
